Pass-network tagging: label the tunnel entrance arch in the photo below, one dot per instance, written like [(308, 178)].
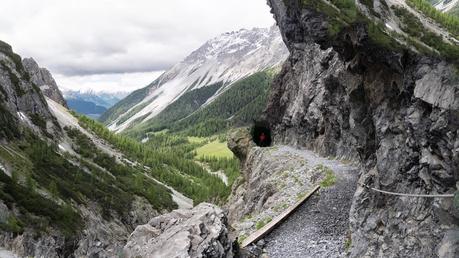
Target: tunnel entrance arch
[(261, 134)]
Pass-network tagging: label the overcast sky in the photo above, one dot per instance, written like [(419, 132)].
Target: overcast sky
[(119, 44)]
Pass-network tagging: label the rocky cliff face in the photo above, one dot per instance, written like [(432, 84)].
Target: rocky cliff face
[(21, 101), (392, 109), (44, 80)]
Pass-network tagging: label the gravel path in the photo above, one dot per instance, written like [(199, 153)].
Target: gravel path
[(320, 226), (6, 254)]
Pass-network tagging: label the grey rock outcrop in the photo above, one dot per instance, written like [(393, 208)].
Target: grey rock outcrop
[(200, 232), (29, 243), (240, 142), (100, 237), (394, 112), (44, 80), (21, 102)]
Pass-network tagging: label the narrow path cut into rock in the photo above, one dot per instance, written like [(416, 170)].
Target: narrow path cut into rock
[(319, 228)]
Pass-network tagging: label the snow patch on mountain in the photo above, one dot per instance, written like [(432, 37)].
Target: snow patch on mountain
[(101, 98), (446, 5), (227, 59)]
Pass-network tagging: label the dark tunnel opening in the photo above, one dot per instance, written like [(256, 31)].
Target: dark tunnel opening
[(261, 134)]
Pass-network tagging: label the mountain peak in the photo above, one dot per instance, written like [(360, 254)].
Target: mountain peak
[(44, 80), (224, 59)]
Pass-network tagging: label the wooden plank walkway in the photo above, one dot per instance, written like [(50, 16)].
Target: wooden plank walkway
[(259, 234)]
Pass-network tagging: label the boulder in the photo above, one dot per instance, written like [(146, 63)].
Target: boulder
[(240, 142), (200, 232)]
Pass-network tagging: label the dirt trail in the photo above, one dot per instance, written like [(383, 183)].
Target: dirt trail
[(320, 226)]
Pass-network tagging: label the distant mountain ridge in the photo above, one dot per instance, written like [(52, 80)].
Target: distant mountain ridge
[(223, 60), (102, 98), (92, 103)]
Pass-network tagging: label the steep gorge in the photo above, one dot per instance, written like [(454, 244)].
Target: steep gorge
[(392, 109)]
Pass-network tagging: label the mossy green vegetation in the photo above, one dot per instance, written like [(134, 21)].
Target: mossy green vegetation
[(348, 243), (410, 23), (280, 207), (241, 239), (414, 28), (12, 224), (30, 204), (343, 13), (261, 223), (337, 18), (330, 178)]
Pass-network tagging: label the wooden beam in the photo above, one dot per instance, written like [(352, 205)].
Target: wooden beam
[(259, 234)]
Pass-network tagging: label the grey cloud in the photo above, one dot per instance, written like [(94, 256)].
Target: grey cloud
[(89, 69), (91, 37)]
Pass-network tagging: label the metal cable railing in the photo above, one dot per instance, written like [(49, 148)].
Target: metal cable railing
[(409, 195)]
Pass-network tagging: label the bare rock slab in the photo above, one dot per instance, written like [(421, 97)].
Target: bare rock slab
[(200, 232)]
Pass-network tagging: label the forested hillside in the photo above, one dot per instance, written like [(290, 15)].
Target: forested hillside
[(239, 105), (169, 159)]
